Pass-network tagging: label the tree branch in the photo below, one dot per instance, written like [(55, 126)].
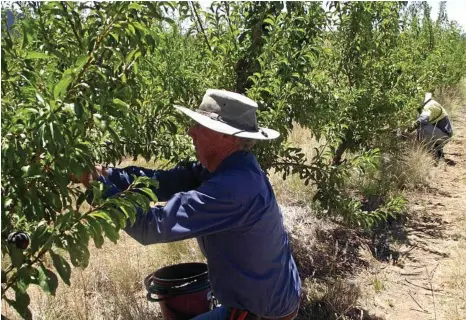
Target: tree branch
[(198, 22), (73, 27)]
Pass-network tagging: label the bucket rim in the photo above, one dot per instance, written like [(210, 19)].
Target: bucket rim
[(153, 277)]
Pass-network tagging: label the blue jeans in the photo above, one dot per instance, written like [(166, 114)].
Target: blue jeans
[(219, 313)]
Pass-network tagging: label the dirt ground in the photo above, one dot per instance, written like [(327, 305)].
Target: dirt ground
[(426, 279)]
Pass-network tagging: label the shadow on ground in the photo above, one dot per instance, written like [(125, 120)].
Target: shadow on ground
[(330, 252), (335, 299), (327, 256), (386, 238)]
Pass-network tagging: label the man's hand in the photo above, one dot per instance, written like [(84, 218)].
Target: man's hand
[(88, 176), (413, 127)]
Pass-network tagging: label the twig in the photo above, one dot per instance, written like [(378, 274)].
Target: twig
[(424, 311), (431, 276), (425, 288), (73, 27), (417, 303), (295, 165), (198, 20), (227, 9), (12, 280)]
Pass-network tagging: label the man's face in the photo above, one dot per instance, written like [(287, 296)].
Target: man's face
[(209, 145), (203, 141)]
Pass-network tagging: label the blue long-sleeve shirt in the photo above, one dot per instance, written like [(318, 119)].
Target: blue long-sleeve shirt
[(235, 217)]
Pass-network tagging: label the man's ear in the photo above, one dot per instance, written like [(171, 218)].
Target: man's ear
[(230, 139)]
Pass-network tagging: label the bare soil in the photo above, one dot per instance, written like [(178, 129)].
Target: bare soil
[(424, 275)]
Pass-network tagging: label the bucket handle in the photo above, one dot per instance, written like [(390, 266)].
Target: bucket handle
[(150, 298)]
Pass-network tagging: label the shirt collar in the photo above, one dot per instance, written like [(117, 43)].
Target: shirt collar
[(233, 160)]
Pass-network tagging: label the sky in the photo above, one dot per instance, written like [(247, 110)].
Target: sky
[(456, 10)]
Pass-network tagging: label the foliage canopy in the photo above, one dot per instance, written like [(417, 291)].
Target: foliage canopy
[(93, 82)]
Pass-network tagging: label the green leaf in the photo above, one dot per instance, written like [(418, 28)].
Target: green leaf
[(97, 192), (83, 233), (16, 255), (140, 27), (53, 199), (63, 219), (119, 217), (111, 231), (79, 254), (120, 103), (128, 59), (48, 280), (131, 29), (39, 236), (61, 86), (37, 55), (101, 214), (81, 61), (28, 30), (269, 21), (149, 193), (140, 200), (22, 285), (130, 212), (115, 36), (96, 231), (62, 266), (135, 5), (21, 304)]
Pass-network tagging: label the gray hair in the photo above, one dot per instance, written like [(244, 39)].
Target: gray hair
[(246, 143)]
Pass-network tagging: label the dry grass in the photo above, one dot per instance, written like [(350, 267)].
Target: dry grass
[(452, 98), (326, 255), (457, 277), (292, 191), (413, 169), (111, 287), (303, 138), (410, 167), (330, 300)]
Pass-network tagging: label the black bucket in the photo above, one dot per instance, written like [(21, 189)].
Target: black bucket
[(183, 290)]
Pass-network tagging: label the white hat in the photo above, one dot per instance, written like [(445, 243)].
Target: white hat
[(427, 97), (230, 113)]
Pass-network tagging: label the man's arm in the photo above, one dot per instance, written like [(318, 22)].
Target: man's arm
[(183, 177), (189, 214), (424, 117)]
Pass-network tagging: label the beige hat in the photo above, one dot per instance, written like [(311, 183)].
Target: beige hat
[(427, 97), (230, 113)]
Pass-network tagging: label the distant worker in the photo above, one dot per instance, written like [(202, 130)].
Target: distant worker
[(433, 126)]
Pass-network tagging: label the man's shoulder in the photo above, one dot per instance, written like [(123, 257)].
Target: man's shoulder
[(241, 182), (432, 104)]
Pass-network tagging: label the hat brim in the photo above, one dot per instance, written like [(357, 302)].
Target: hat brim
[(262, 134)]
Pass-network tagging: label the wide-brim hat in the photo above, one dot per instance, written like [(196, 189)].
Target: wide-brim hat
[(427, 97), (229, 113)]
